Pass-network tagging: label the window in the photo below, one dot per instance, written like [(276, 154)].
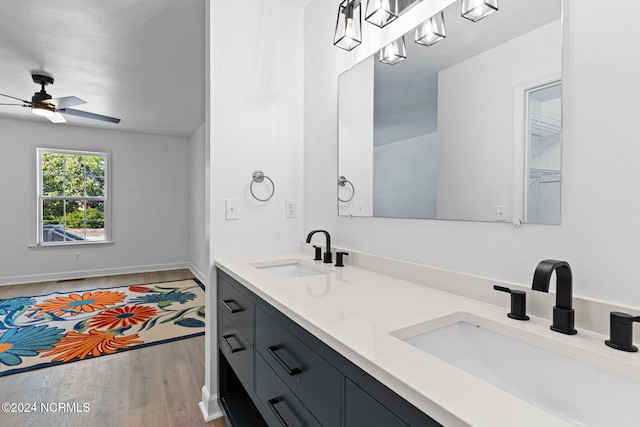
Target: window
[(72, 197)]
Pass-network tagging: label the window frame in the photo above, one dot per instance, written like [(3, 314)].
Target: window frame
[(106, 198)]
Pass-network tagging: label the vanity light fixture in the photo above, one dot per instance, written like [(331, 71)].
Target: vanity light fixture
[(349, 25), (431, 31), (475, 10), (394, 52), (381, 12)]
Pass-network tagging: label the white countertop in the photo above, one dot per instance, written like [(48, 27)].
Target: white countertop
[(354, 311)]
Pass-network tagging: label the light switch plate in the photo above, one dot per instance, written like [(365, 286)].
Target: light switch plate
[(231, 206)]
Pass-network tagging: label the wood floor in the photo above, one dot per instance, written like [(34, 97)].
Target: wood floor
[(154, 386)]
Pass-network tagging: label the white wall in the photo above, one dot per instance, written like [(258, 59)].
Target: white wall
[(405, 178), (254, 121), (149, 205), (256, 124), (198, 245), (599, 233)]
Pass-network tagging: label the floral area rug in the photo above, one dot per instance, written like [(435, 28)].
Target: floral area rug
[(51, 329)]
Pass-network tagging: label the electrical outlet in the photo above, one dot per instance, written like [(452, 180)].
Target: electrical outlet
[(501, 213), (290, 206), (76, 256)]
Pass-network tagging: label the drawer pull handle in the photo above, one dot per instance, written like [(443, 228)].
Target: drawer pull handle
[(284, 413), (286, 366), (227, 304), (227, 340)]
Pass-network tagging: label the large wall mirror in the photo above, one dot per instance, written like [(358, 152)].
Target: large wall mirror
[(469, 128)]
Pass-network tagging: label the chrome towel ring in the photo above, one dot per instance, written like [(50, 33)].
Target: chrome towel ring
[(342, 181), (259, 176)]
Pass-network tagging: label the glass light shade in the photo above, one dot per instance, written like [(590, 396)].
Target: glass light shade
[(394, 52), (431, 31), (475, 10), (39, 110), (349, 25), (381, 12)]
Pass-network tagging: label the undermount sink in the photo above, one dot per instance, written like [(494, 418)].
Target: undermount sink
[(291, 269), (531, 367)]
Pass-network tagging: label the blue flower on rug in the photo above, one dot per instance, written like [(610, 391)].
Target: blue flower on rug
[(164, 300), (7, 305), (27, 341)]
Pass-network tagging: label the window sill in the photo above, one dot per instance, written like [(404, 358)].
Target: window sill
[(70, 245)]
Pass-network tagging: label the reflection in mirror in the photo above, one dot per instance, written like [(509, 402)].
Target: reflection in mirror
[(435, 136), (543, 145)]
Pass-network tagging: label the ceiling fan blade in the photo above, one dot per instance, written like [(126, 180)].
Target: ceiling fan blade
[(88, 115), (65, 101), (18, 105), (57, 118), (13, 97)]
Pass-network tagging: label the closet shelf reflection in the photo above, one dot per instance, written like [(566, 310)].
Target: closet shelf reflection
[(544, 176)]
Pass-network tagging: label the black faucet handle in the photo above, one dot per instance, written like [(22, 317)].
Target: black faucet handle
[(339, 259), (318, 253), (518, 302), (621, 331)]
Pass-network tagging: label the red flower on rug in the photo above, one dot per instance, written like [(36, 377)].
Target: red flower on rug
[(94, 343), (75, 304), (139, 289), (120, 317)]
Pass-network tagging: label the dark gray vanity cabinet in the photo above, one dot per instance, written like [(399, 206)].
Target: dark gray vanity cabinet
[(363, 410), (273, 372)]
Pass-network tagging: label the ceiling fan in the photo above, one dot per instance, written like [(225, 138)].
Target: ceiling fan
[(42, 104)]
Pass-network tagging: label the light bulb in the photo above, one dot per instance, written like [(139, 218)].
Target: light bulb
[(475, 10), (42, 111), (348, 30)]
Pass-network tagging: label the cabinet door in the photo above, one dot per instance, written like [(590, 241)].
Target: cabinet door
[(364, 410)]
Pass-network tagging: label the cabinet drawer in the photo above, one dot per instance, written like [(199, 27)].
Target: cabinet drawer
[(236, 306), (311, 378), (282, 407), (363, 410), (236, 349)]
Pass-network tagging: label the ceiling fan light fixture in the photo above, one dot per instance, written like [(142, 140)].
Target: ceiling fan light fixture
[(42, 110), (475, 10)]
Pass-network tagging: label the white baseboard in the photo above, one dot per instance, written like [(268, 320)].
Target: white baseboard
[(209, 406), (197, 273), (69, 275)]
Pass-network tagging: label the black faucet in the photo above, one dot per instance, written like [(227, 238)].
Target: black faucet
[(327, 253), (563, 314)]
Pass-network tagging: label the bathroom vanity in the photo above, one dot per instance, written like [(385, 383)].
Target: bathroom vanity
[(304, 343)]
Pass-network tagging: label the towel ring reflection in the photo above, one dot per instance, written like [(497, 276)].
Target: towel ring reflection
[(259, 176), (342, 181)]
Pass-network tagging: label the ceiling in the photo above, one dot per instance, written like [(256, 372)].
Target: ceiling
[(142, 61)]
